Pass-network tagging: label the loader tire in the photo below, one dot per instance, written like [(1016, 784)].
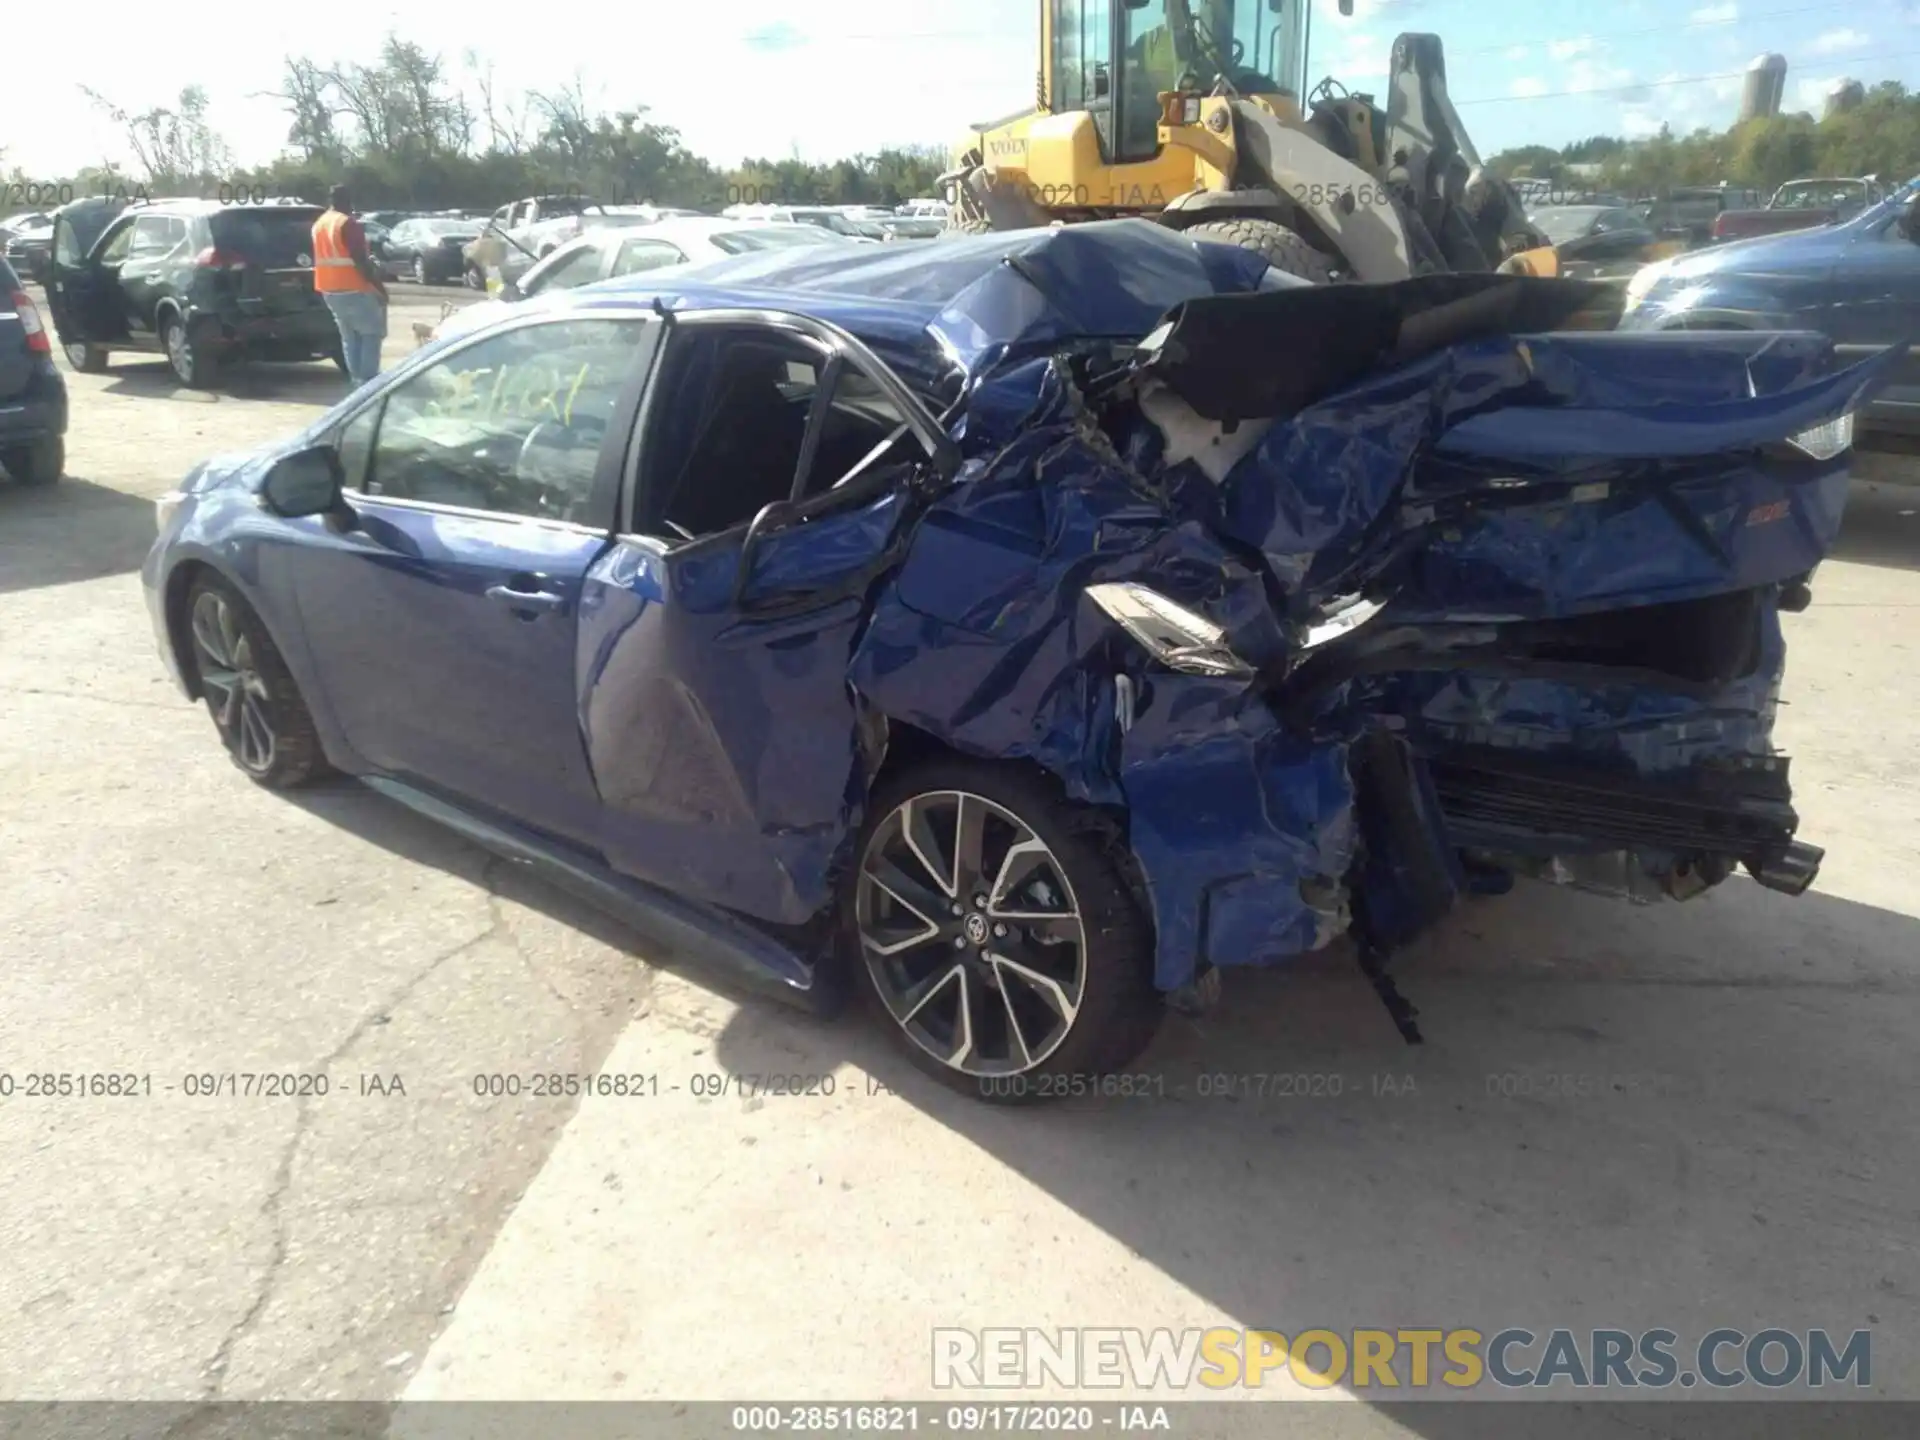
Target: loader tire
[(1285, 250), (977, 226)]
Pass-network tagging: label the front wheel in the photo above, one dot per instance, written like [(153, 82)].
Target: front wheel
[(256, 707), (419, 270), (475, 277), (996, 934), (1284, 249)]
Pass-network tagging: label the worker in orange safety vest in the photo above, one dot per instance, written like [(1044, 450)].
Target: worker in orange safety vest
[(349, 281)]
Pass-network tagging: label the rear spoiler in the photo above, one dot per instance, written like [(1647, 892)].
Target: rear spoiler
[(1273, 353)]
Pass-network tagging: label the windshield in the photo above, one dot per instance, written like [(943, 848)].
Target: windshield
[(1564, 223), (1201, 42), (1198, 45), (772, 237)]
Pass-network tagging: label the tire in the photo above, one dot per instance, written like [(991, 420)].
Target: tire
[(978, 226), (420, 271), (475, 277), (1285, 250), (1094, 1007), (41, 463), (193, 365), (259, 691), (87, 359), (339, 358)]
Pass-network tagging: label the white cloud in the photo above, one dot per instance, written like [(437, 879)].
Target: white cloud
[(1834, 41), (1528, 87), (1571, 49), (1716, 14), (1518, 53)]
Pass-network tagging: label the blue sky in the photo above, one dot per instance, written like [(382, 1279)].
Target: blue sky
[(834, 77)]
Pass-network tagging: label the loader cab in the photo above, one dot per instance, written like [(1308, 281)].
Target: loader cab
[(1114, 59)]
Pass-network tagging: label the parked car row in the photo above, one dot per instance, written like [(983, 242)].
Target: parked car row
[(26, 240)]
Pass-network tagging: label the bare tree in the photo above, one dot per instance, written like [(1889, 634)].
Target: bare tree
[(311, 108), (506, 122), (174, 145), (567, 119)]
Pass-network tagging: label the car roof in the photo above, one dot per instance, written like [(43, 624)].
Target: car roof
[(965, 301)]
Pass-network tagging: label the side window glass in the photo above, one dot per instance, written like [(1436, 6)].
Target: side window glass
[(513, 424), (640, 255), (355, 446), (117, 246), (149, 237), (582, 267)]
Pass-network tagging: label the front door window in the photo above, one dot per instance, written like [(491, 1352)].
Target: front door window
[(513, 423)]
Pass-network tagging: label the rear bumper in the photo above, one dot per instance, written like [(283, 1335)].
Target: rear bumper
[(1685, 828), (38, 412), (304, 332)]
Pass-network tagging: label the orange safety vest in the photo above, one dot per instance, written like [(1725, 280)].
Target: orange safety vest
[(333, 267)]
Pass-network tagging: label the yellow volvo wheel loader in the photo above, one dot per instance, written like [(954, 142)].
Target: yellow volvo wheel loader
[(1190, 112)]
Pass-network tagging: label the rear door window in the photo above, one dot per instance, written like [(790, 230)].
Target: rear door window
[(275, 238)]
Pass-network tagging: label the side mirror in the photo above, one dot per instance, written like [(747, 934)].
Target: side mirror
[(1102, 82), (307, 482), (1346, 7)]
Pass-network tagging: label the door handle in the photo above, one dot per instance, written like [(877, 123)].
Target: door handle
[(527, 603)]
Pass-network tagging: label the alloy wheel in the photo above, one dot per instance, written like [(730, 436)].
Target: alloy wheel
[(235, 690), (179, 355), (971, 932)]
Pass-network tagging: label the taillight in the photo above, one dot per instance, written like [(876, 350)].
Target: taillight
[(29, 314), (214, 258)]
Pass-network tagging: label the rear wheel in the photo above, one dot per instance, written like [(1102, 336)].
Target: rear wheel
[(41, 463), (256, 707), (188, 355), (1284, 249), (475, 277), (995, 933), (87, 359)]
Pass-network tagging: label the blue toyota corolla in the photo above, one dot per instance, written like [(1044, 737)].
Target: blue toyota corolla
[(1024, 629)]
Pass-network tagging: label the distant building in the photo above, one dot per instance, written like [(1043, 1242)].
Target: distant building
[(1763, 88), (1843, 95)]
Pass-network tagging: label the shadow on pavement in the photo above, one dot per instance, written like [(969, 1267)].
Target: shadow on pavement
[(73, 530), (1674, 1117), (1881, 526), (1680, 1116), (316, 382)]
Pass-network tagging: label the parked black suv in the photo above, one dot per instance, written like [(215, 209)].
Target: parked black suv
[(33, 397), (202, 283)]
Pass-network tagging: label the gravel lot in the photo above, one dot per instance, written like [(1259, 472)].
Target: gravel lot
[(1738, 1151)]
